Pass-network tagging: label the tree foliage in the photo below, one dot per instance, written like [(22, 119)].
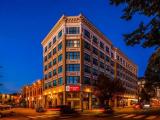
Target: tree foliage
[(107, 87), (152, 72), (148, 35)]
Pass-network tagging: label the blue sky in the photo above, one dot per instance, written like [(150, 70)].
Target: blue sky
[(24, 24)]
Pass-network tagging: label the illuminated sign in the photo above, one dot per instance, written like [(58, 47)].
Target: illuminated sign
[(72, 88)]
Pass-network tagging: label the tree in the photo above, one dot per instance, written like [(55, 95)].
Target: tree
[(147, 92), (152, 73), (148, 35), (107, 87)]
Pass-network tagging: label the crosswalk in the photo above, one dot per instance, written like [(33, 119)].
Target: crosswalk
[(48, 116), (122, 116), (136, 116)]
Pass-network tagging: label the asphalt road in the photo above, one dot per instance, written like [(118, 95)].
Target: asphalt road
[(84, 117)]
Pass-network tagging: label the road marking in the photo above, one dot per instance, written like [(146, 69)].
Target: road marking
[(128, 116), (65, 117), (139, 116), (41, 116), (120, 115), (151, 117)]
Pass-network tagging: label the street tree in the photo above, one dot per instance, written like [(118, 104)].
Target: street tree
[(152, 72), (107, 88), (148, 35)]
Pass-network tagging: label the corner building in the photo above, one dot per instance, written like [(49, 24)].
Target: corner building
[(74, 53)]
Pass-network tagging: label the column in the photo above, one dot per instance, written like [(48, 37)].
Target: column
[(90, 101)]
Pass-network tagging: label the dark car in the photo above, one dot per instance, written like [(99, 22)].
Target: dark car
[(64, 110), (108, 109), (40, 109)]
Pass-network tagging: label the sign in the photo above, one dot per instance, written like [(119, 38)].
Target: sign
[(72, 88)]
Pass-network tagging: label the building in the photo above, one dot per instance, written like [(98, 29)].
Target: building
[(74, 53), (33, 94), (5, 98), (10, 98)]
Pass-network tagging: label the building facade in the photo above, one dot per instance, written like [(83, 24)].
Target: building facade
[(32, 94), (6, 98), (75, 52)]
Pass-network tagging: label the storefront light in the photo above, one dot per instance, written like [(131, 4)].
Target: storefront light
[(88, 90)]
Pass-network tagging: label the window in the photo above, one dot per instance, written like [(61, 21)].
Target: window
[(95, 40), (87, 33), (49, 84), (72, 43), (60, 69), (94, 71), (101, 55), (107, 68), (72, 30), (73, 55), (87, 69), (73, 79), (95, 50), (87, 57), (45, 76), (54, 51), (54, 40), (86, 45), (60, 58), (50, 64), (112, 63), (117, 57), (45, 58), (54, 61), (107, 49), (54, 82), (45, 67), (101, 65), (87, 80), (107, 58), (59, 34), (102, 45), (73, 67), (49, 45), (45, 49), (54, 72), (60, 81), (50, 74), (60, 46), (112, 55), (49, 55), (95, 61)]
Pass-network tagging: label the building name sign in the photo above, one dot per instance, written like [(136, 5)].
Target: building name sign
[(72, 88)]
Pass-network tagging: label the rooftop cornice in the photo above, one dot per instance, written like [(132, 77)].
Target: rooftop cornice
[(125, 56), (60, 21)]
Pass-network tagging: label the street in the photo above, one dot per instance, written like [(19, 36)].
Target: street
[(24, 114)]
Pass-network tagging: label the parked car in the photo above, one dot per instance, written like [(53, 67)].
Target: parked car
[(138, 106), (64, 110), (146, 106), (108, 109), (40, 109), (5, 110)]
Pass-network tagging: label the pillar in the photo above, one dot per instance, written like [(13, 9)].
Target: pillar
[(64, 98), (90, 101)]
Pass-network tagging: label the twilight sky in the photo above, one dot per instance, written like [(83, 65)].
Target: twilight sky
[(24, 24)]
